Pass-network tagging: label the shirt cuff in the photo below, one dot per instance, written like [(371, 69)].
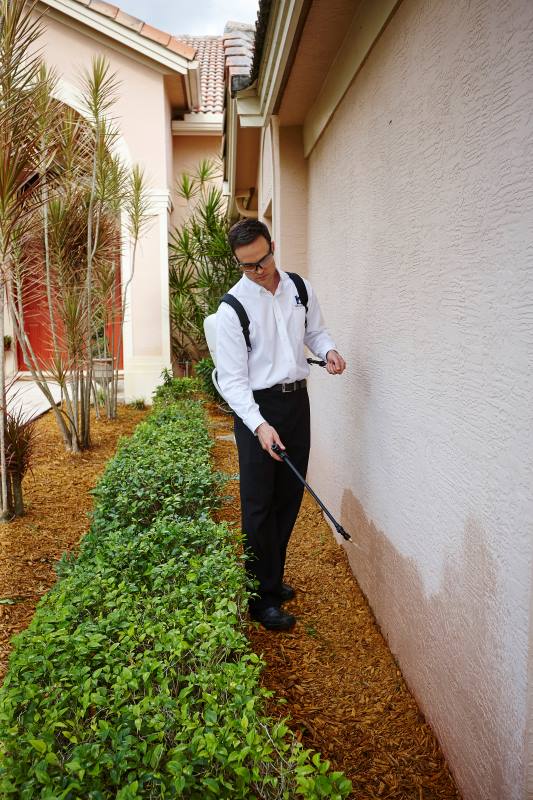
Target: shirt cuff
[(331, 346), (253, 421)]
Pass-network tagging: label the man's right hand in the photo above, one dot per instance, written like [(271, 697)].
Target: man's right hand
[(268, 436)]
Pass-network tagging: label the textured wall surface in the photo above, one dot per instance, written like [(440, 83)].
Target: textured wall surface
[(291, 238), (421, 248)]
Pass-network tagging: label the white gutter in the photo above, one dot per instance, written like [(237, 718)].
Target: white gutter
[(199, 124), (255, 106)]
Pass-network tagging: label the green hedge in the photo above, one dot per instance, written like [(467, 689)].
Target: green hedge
[(203, 370), (135, 678)]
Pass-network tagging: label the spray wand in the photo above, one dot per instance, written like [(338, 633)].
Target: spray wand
[(283, 455)]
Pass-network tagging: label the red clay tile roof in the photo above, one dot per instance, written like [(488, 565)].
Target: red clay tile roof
[(210, 54), (220, 57), (238, 51), (163, 38)]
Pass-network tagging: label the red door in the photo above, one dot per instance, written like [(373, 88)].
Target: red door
[(37, 325)]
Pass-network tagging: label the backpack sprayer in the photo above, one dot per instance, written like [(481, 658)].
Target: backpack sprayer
[(210, 335)]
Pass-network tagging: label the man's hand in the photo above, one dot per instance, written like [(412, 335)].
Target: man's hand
[(335, 363), (268, 436)]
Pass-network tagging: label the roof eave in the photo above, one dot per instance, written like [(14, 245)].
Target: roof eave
[(256, 103), (199, 124), (125, 36)]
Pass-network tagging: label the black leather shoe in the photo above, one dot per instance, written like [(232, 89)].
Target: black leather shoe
[(287, 592), (273, 619)]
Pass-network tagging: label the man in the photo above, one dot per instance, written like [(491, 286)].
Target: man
[(266, 389)]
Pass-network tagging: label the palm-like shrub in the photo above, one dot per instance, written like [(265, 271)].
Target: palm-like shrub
[(202, 267), (21, 437)]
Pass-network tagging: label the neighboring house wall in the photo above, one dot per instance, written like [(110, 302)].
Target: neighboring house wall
[(419, 246), (188, 151), (141, 113)]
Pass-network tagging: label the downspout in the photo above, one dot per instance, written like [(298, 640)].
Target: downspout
[(241, 196)]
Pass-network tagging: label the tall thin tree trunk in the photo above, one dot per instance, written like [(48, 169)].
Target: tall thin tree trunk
[(5, 512), (123, 311), (112, 392), (17, 318), (85, 393), (48, 278)]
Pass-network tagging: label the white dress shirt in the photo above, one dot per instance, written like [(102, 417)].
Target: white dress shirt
[(277, 336)]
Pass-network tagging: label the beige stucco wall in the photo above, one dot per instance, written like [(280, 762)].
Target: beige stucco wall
[(142, 115), (187, 152), (291, 233), (419, 245)]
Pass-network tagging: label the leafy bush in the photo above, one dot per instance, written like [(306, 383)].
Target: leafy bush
[(173, 389), (203, 370), (135, 678)]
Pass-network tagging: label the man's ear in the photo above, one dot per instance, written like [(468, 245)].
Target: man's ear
[(272, 246)]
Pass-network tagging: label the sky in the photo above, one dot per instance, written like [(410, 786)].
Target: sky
[(198, 17)]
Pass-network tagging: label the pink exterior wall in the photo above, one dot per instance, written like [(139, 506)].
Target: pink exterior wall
[(140, 110), (420, 213)]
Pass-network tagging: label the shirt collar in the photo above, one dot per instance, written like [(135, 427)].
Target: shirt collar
[(255, 290)]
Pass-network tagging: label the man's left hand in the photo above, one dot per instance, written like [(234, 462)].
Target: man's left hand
[(335, 363)]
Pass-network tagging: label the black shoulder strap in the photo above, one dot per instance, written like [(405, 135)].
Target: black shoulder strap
[(238, 307), (301, 289)]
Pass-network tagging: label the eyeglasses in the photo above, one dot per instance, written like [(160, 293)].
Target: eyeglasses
[(253, 266)]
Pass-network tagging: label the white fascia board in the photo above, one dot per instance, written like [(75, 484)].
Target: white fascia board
[(255, 107), (231, 152), (121, 34), (193, 86), (199, 125), (279, 47), (249, 111), (365, 28)]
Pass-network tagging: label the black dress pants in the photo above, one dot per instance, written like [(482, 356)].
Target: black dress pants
[(270, 492)]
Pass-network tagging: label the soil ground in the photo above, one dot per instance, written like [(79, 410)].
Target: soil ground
[(57, 501), (334, 673)]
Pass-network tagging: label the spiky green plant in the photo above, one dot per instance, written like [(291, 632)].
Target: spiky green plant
[(202, 267)]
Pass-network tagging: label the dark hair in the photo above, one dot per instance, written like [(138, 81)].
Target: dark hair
[(246, 231)]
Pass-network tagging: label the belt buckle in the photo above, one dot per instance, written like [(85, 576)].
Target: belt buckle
[(284, 390)]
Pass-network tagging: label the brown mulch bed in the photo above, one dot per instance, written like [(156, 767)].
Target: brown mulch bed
[(57, 502), (334, 673)]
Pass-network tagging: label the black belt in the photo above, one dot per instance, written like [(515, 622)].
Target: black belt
[(286, 387)]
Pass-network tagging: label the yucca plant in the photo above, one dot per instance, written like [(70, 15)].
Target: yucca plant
[(20, 84), (21, 438), (202, 267), (62, 199), (71, 255)]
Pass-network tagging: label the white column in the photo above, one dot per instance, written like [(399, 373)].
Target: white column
[(146, 323)]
